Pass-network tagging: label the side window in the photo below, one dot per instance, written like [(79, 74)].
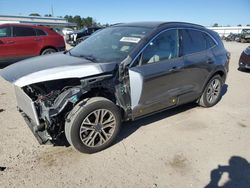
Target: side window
[(23, 32), (192, 41), (5, 32), (164, 47), (209, 41), (40, 32)]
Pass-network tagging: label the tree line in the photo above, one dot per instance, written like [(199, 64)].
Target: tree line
[(90, 21), (80, 21)]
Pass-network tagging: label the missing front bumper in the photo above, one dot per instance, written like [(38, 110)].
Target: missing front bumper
[(42, 136), (28, 110)]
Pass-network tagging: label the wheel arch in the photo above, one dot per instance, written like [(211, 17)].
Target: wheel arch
[(222, 73), (105, 93)]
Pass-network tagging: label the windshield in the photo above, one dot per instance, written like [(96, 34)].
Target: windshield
[(110, 44)]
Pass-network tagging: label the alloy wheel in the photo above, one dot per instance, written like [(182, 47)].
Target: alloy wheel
[(97, 128), (213, 91)]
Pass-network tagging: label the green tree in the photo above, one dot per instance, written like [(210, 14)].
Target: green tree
[(78, 20), (47, 15), (239, 25), (69, 18), (88, 22), (81, 22), (216, 25), (34, 14)]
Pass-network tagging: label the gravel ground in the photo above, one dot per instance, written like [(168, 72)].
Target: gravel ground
[(175, 148)]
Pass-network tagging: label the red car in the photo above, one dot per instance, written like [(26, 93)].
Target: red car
[(18, 41)]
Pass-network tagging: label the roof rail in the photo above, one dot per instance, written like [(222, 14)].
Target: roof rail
[(115, 24), (185, 23)]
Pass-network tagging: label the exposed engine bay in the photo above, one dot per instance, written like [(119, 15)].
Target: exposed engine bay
[(54, 100)]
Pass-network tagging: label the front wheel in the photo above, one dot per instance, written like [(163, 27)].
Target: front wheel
[(93, 126), (212, 93)]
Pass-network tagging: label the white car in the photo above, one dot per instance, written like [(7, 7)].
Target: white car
[(67, 31)]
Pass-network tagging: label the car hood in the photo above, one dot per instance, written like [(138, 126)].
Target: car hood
[(52, 67)]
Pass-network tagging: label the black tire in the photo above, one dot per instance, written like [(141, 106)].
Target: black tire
[(241, 69), (86, 110), (48, 51), (205, 99)]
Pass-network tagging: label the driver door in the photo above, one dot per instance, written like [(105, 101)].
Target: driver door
[(155, 78)]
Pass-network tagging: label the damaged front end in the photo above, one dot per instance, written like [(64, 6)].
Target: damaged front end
[(44, 114), (45, 109)]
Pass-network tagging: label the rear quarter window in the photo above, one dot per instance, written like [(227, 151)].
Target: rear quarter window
[(40, 32), (209, 41), (23, 32)]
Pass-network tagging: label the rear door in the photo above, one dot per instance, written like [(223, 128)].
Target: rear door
[(7, 46), (198, 59), (156, 77), (26, 42)]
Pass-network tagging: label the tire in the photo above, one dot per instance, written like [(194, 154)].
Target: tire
[(93, 125), (212, 92), (48, 51)]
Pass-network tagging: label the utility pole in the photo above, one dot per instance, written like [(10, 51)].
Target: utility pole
[(52, 10)]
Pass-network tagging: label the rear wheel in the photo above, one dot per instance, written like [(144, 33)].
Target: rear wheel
[(212, 92), (48, 51), (93, 126)]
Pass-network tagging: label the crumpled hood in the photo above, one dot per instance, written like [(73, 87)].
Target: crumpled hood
[(52, 67)]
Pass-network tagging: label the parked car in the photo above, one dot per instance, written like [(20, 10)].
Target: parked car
[(245, 35), (231, 37), (67, 31), (244, 61), (18, 41), (80, 35), (58, 30), (237, 38), (122, 73)]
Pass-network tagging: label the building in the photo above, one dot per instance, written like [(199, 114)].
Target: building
[(225, 31), (36, 20)]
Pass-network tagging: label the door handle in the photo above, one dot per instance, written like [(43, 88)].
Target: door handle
[(175, 68), (10, 42), (210, 61)]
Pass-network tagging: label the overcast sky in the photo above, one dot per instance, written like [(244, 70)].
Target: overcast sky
[(204, 12)]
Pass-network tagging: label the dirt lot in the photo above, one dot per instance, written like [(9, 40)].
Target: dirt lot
[(176, 148)]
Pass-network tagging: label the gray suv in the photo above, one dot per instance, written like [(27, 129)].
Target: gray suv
[(121, 73)]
